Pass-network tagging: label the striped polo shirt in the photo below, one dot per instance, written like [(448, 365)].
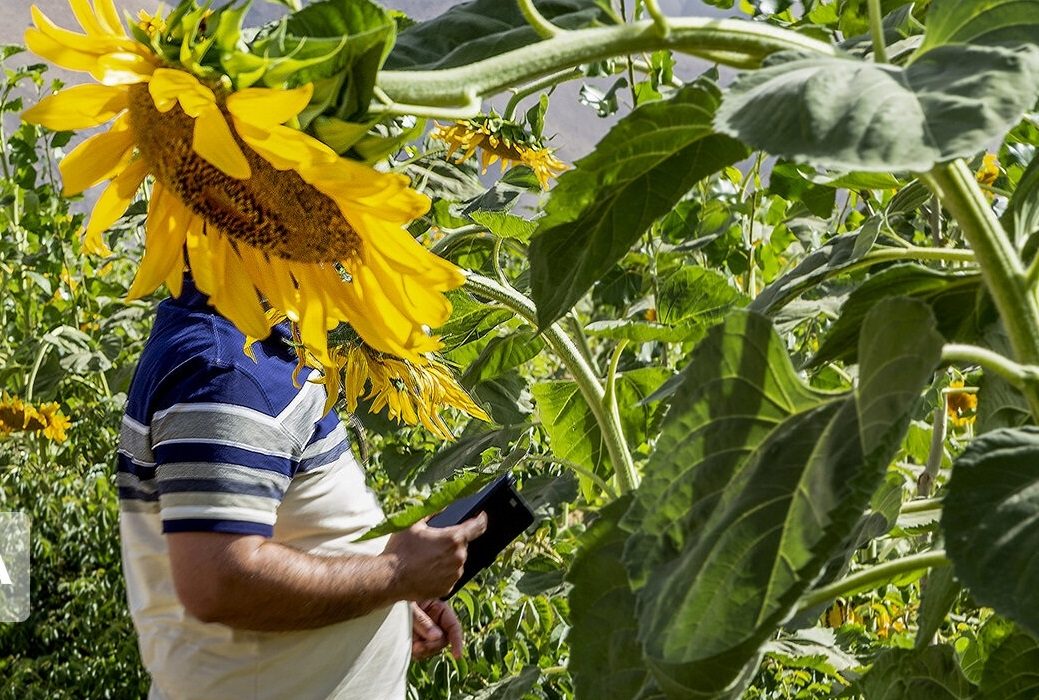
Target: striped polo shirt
[(215, 441)]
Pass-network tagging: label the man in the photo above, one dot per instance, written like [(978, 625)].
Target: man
[(240, 504)]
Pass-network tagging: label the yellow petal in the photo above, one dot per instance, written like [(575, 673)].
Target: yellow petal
[(116, 198), (58, 53), (87, 19), (283, 147), (123, 68), (168, 222), (201, 258), (94, 244), (214, 143), (98, 158), (169, 86), (358, 187), (265, 107), (108, 16), (237, 300), (80, 107), (76, 41)]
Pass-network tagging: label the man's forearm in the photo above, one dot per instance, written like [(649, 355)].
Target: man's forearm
[(261, 585)]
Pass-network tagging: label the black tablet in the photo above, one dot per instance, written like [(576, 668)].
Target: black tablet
[(508, 515)]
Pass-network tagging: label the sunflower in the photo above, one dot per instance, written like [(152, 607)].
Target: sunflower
[(17, 416), (961, 404), (261, 213), (499, 140)]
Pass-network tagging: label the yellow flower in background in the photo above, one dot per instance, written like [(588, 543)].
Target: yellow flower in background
[(411, 393), (989, 171), (499, 140), (18, 416), (961, 406), (255, 206)]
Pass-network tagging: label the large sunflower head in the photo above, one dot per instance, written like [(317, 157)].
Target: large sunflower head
[(263, 214), (499, 141)]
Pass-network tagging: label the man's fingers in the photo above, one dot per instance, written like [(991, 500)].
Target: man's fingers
[(423, 625), (474, 527)]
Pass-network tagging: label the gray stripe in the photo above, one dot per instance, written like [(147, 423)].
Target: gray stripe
[(211, 499), (303, 413), (134, 506), (132, 482), (222, 472), (230, 425), (326, 443), (135, 445)]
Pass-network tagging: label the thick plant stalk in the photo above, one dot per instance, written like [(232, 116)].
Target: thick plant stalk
[(872, 577), (1001, 267), (587, 382), (876, 28), (459, 91)]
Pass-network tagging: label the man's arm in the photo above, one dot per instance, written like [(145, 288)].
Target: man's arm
[(249, 582)]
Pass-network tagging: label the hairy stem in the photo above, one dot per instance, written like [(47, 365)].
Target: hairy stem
[(1001, 267), (587, 382), (459, 90), (541, 25), (876, 28), (627, 477), (518, 94), (872, 577), (925, 482), (1017, 374)]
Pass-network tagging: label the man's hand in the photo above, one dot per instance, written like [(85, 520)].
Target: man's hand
[(434, 626), (430, 560)]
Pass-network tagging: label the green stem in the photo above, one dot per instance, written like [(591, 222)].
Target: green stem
[(876, 28), (1017, 374), (582, 372), (541, 25), (459, 90), (659, 18), (549, 81), (1001, 267), (921, 505), (30, 383), (872, 577), (627, 478)]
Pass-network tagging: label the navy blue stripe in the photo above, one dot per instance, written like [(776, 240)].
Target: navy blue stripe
[(126, 466), (231, 527), (128, 493), (267, 490), (223, 454), (325, 457), (324, 428)]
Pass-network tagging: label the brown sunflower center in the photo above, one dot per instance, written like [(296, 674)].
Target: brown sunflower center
[(274, 210)]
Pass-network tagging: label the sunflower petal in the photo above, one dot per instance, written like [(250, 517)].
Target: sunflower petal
[(265, 107), (214, 143), (236, 297), (86, 17), (58, 53), (201, 257), (123, 68), (98, 158), (163, 243), (80, 107), (169, 86), (116, 198), (108, 16), (83, 43), (94, 244), (283, 147)]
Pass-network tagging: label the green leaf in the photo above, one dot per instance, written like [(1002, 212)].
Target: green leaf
[(816, 267), (1011, 670), (636, 174), (939, 595), (449, 491), (956, 299), (472, 31), (1024, 205), (922, 674), (605, 657), (512, 688), (502, 354), (756, 482), (504, 225), (787, 181), (845, 114), (990, 509), (1007, 22)]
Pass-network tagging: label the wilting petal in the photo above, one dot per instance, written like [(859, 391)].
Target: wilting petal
[(100, 157), (214, 143), (265, 107), (163, 243), (80, 107), (116, 198)]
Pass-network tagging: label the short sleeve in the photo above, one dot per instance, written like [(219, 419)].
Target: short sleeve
[(223, 457)]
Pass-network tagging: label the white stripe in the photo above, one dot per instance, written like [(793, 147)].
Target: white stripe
[(134, 425), (326, 443), (139, 462), (226, 408), (299, 397), (228, 443), (250, 515)]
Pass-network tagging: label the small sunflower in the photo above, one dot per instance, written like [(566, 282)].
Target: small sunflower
[(961, 405), (18, 416), (254, 205), (989, 171), (499, 140)]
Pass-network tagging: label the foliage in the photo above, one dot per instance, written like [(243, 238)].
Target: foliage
[(723, 380)]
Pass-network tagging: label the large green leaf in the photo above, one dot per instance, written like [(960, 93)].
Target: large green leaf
[(1012, 670), (636, 174), (605, 659), (930, 673), (989, 519), (846, 114), (981, 22), (956, 298), (816, 267), (756, 482), (472, 31)]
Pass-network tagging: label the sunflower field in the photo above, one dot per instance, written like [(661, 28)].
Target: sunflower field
[(765, 359)]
